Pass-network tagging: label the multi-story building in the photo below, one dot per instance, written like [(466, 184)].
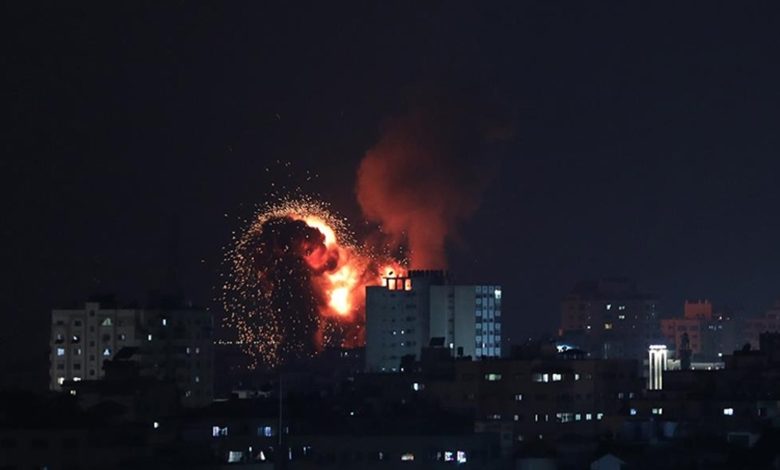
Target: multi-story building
[(81, 339), (710, 335), (172, 344), (405, 313), (767, 323), (611, 318)]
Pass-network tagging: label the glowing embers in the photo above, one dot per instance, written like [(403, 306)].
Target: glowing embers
[(297, 283)]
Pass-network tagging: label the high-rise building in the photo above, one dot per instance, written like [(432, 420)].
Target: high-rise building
[(611, 318), (172, 344), (405, 313)]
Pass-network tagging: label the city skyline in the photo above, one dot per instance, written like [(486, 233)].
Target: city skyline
[(620, 149)]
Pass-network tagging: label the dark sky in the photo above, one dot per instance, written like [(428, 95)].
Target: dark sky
[(646, 141)]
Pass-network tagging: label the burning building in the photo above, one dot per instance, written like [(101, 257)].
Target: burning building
[(406, 313)]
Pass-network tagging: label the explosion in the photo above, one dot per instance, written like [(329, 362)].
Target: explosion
[(297, 283)]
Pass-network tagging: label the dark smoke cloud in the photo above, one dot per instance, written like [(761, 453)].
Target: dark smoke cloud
[(426, 174), (276, 254)]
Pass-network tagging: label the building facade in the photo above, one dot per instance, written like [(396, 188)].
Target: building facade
[(405, 313), (610, 318), (172, 344)]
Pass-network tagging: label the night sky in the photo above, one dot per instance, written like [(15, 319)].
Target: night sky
[(645, 142)]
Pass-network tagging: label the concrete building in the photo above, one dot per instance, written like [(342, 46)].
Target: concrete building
[(710, 335), (404, 314), (767, 323), (610, 318), (81, 339), (172, 344)]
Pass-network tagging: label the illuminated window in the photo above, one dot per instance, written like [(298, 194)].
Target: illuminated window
[(609, 306), (557, 377), (149, 337), (407, 457), (461, 455), (60, 380), (75, 339), (497, 294), (518, 396), (235, 456), (106, 322), (265, 431), (607, 326), (600, 416), (633, 411), (417, 386), (658, 411), (219, 431), (728, 411), (164, 322), (539, 377), (492, 377), (588, 416), (449, 456), (60, 351), (107, 352)]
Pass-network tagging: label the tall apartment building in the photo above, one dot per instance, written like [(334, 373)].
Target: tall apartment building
[(405, 313), (611, 318), (172, 344)]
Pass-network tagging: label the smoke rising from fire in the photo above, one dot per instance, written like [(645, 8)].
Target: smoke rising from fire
[(425, 176)]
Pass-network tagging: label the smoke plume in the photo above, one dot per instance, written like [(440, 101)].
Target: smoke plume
[(423, 177)]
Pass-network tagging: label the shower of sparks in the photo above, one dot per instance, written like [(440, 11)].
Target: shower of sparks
[(296, 282)]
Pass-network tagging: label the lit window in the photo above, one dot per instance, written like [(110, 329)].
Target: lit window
[(106, 322), (607, 326), (621, 317), (461, 455), (620, 395), (407, 457), (219, 431), (156, 425), (492, 377), (588, 416), (60, 351), (633, 411), (449, 456), (517, 417), (539, 377), (149, 337), (600, 416), (728, 411), (164, 322), (518, 396), (658, 411), (417, 386), (107, 352), (77, 379), (609, 306), (197, 350), (557, 377), (60, 380), (75, 339), (497, 294), (576, 376), (197, 379), (578, 417), (265, 431), (235, 456)]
